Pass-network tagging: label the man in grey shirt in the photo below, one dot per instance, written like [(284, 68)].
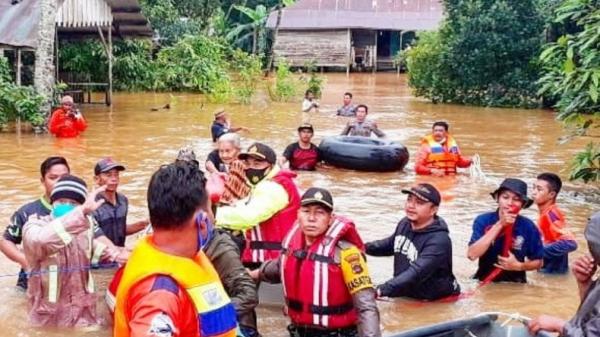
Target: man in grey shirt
[(361, 126), (348, 109)]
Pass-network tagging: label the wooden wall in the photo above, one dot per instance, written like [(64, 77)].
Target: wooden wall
[(329, 48)]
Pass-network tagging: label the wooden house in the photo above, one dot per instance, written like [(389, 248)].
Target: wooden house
[(351, 34)]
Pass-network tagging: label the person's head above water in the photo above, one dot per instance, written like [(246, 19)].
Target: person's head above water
[(259, 160), (440, 131), (220, 115), (176, 194), (422, 203), (512, 193), (68, 193), (67, 102), (106, 173), (316, 213), (309, 94), (52, 169), (305, 132), (361, 112), (347, 98), (187, 154), (229, 146), (546, 188)]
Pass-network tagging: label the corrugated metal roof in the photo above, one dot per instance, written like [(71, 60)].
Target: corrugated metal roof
[(366, 14), (19, 21)]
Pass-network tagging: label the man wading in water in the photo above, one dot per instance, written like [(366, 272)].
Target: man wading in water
[(361, 126), (52, 169)]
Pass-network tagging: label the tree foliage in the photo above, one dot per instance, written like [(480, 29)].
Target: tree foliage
[(571, 77), (18, 103), (485, 53)]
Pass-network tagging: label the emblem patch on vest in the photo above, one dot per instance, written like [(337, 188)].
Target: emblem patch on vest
[(161, 326), (212, 297)]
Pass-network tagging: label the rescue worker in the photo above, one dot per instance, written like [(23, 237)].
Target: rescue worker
[(67, 122), (585, 321), (269, 211), (303, 154), (326, 283), (361, 126), (439, 154), (59, 249), (51, 169), (169, 287)]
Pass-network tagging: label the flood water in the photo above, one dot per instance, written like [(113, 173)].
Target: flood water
[(511, 142)]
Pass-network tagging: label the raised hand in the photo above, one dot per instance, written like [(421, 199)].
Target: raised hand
[(91, 204)]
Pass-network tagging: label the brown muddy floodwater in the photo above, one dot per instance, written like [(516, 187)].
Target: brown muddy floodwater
[(518, 143)]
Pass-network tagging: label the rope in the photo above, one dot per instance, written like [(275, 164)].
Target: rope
[(475, 170), (67, 270)]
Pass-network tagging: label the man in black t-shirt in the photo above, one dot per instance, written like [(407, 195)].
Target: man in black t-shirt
[(302, 155), (52, 169)]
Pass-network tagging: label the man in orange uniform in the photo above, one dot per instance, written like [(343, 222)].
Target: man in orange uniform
[(66, 122), (439, 154), (558, 240), (169, 288)]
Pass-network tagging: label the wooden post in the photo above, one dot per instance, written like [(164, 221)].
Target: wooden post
[(349, 52), (56, 55), (398, 65), (374, 56), (19, 67), (110, 64)]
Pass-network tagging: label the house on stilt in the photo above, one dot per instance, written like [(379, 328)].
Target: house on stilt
[(351, 34)]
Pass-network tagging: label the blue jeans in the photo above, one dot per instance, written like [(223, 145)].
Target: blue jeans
[(556, 256)]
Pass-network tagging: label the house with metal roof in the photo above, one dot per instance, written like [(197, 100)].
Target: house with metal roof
[(351, 34), (21, 35)]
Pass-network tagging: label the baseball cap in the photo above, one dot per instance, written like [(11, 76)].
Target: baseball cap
[(107, 164), (316, 195), (306, 126), (425, 192), (260, 151)]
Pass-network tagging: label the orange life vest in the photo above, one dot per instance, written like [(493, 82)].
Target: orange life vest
[(216, 314), (313, 283), (438, 157)]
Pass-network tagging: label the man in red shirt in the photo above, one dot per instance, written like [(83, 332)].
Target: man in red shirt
[(439, 154), (65, 121)]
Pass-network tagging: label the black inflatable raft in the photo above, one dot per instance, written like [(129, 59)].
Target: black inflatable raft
[(364, 154)]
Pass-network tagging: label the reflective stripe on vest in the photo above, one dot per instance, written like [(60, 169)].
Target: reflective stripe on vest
[(216, 314), (439, 158), (263, 242), (329, 304)]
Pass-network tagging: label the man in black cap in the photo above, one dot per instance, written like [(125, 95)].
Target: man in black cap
[(586, 321), (422, 250), (327, 284), (507, 244), (112, 214), (269, 211), (302, 155)]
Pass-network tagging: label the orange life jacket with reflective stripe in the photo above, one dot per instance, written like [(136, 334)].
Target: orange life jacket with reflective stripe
[(438, 157), (216, 314)]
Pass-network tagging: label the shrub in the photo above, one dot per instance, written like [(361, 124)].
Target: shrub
[(247, 69), (18, 102), (285, 88)]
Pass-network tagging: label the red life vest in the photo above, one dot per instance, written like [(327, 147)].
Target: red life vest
[(313, 283), (263, 242)]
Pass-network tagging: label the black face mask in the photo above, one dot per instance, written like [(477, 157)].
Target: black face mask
[(256, 175)]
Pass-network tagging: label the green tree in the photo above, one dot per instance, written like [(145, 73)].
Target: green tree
[(255, 28), (571, 78), (485, 54)]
